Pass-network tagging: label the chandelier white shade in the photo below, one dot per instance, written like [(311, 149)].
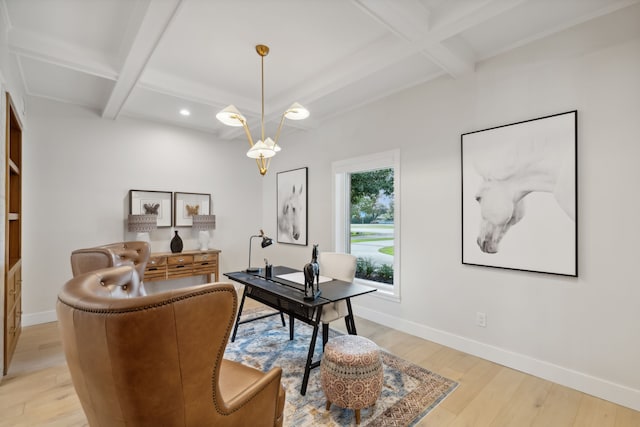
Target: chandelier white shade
[(230, 116), (296, 112), (265, 148), (261, 149)]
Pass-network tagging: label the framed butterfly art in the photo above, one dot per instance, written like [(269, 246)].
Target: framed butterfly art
[(186, 205), (147, 202)]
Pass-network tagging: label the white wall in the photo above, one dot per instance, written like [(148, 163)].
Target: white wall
[(78, 169), (582, 332)]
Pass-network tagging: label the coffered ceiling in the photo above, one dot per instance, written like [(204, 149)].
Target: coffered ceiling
[(152, 58)]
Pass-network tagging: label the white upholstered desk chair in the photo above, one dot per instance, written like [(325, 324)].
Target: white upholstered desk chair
[(339, 266)]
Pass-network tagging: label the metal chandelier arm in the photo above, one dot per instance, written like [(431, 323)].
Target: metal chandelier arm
[(275, 140), (247, 131), (263, 165)]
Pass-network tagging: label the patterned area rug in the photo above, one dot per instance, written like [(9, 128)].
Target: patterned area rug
[(409, 391)]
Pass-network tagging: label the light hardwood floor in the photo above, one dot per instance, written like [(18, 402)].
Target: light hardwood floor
[(38, 390)]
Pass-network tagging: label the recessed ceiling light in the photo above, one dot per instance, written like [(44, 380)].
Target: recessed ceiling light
[(185, 112)]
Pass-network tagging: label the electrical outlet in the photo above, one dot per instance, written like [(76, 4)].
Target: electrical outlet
[(481, 319)]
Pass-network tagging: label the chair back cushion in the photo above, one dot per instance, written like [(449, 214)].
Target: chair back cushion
[(337, 265), (111, 255)]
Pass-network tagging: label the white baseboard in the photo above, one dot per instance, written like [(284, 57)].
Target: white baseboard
[(580, 381), (38, 318), (604, 389)]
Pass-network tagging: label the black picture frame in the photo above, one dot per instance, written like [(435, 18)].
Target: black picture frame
[(185, 205), (292, 204), (152, 202), (520, 195)]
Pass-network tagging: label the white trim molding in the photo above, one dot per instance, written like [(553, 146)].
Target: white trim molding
[(341, 186), (31, 319), (604, 389)]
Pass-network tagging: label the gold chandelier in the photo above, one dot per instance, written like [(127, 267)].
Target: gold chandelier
[(263, 150)]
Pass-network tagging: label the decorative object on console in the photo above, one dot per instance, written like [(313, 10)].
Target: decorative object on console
[(187, 205), (263, 150), (312, 272), (144, 202), (266, 241), (292, 206), (532, 162), (202, 224), (176, 243), (142, 225)]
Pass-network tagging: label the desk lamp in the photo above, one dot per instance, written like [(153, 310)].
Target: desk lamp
[(266, 241)]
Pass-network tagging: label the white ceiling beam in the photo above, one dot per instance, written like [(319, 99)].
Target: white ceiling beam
[(453, 62), (154, 24), (409, 20), (4, 16), (609, 8), (172, 85), (365, 61), (45, 49), (468, 15)]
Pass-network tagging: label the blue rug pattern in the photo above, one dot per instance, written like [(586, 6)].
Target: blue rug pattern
[(409, 391)]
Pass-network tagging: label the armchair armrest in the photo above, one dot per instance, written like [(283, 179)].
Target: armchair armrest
[(255, 392)]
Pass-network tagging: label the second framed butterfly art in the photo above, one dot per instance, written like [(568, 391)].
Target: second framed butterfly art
[(175, 209), (186, 205)]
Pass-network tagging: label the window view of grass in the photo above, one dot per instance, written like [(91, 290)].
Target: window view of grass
[(372, 224)]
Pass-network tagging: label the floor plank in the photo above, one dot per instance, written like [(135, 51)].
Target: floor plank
[(594, 412), (525, 404), (490, 400), (561, 406), (38, 391)]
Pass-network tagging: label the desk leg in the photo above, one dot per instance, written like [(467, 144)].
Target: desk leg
[(235, 328), (349, 320), (291, 319), (312, 347)]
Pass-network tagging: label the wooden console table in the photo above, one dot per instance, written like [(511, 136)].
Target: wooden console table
[(167, 265)]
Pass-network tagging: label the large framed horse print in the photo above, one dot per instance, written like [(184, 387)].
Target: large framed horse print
[(519, 195), (292, 206)]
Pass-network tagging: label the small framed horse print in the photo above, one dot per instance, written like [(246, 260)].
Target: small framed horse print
[(519, 195), (292, 206)]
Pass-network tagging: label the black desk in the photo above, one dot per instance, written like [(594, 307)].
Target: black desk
[(288, 297)]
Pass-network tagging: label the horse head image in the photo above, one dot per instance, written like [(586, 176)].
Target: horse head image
[(500, 208), (291, 214)]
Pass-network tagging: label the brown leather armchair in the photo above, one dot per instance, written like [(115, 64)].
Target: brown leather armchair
[(157, 360), (112, 255)]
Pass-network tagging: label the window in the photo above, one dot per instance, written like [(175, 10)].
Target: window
[(367, 217)]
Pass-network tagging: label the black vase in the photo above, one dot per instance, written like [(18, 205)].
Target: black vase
[(176, 243)]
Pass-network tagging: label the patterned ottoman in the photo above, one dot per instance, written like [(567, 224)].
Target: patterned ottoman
[(351, 372)]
